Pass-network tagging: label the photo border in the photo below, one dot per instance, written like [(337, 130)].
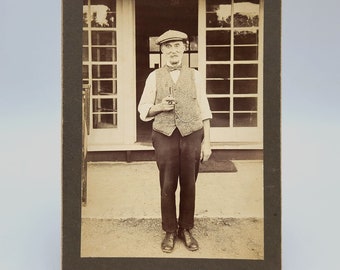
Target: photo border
[(72, 155)]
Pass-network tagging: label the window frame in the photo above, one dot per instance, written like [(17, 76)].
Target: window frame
[(252, 136)]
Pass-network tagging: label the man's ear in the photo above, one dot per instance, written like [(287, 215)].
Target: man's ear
[(186, 45), (162, 48)]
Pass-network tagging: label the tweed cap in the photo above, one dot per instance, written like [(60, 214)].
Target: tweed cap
[(171, 35)]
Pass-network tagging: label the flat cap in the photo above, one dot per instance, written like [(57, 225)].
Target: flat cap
[(171, 35)]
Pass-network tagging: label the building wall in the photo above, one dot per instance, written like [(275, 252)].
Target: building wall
[(226, 47)]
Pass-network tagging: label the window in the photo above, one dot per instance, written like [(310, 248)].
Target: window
[(232, 61), (100, 61)]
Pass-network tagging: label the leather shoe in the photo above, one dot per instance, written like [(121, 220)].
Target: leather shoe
[(189, 241), (168, 242)]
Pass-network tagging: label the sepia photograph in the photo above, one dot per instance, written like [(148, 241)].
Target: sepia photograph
[(170, 133)]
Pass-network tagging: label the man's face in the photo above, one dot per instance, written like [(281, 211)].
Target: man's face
[(173, 51)]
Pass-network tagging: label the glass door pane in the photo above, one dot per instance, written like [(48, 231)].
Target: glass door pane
[(232, 61), (100, 61)]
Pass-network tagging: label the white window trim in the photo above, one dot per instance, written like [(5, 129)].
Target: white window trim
[(234, 135)]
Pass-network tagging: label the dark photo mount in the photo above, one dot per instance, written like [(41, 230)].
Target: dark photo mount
[(72, 147)]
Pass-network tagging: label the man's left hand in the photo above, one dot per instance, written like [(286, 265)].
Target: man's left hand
[(205, 151)]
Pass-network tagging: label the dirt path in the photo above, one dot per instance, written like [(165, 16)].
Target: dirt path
[(218, 238)]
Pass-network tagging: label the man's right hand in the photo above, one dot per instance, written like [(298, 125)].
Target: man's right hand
[(167, 104)]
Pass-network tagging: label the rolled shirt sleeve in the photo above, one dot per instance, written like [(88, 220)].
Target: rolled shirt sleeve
[(148, 98), (202, 97), (149, 95)]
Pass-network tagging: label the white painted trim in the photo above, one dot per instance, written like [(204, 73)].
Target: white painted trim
[(128, 72), (125, 132), (201, 40), (234, 134)]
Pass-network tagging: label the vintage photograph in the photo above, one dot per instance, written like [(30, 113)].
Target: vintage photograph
[(172, 129)]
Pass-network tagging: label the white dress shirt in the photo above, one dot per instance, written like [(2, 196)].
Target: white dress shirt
[(149, 95)]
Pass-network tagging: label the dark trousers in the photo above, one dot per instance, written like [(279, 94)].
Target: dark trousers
[(177, 158)]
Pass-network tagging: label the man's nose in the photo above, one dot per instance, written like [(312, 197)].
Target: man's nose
[(173, 49)]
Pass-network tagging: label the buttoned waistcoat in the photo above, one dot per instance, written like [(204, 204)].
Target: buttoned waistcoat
[(186, 115)]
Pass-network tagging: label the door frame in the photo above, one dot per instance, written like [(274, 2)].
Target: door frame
[(125, 133), (243, 137)]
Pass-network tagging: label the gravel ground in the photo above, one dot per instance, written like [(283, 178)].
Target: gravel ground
[(225, 238)]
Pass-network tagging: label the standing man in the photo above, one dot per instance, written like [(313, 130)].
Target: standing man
[(175, 99)]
